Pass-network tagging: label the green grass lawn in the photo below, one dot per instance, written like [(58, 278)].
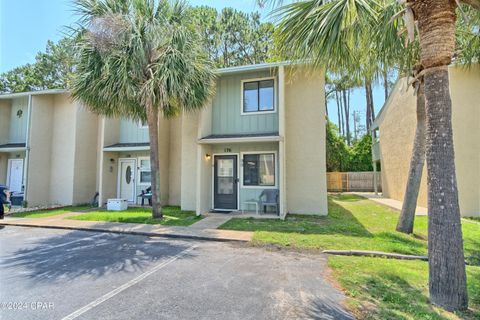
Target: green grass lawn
[(377, 288), (49, 212), (352, 223), (392, 289), (172, 216)]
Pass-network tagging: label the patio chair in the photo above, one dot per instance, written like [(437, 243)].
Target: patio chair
[(269, 198), (146, 194)]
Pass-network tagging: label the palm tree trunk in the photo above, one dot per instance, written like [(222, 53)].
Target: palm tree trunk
[(152, 119), (372, 106), (448, 286), (342, 121), (326, 103), (368, 95), (407, 215), (385, 81), (355, 125), (338, 113), (445, 244), (347, 115)]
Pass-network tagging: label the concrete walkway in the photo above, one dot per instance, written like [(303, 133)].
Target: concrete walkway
[(205, 229), (394, 204), (211, 221)]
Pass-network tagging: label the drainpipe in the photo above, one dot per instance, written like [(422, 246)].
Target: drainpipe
[(27, 148), (282, 143)]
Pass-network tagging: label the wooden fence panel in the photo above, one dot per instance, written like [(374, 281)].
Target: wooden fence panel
[(352, 181)]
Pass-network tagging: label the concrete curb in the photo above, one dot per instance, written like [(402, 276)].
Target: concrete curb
[(138, 233)]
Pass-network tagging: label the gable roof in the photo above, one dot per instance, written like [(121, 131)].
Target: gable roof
[(379, 118), (221, 71), (252, 67)]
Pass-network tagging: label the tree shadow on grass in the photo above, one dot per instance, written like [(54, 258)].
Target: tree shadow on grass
[(345, 197), (472, 251), (394, 298), (79, 254), (339, 221), (401, 243)]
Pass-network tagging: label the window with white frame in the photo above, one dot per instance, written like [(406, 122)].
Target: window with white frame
[(145, 177), (259, 169), (258, 96)]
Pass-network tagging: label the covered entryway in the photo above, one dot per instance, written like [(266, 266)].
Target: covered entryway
[(15, 175), (126, 179), (225, 182)]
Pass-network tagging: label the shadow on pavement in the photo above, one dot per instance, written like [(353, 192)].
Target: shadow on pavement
[(323, 309), (93, 255)]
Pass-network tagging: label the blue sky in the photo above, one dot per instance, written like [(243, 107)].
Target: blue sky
[(26, 25)]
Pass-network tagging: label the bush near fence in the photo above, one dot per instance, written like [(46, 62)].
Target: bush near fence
[(353, 181)]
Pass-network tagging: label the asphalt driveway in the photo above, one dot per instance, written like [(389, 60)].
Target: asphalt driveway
[(60, 274)]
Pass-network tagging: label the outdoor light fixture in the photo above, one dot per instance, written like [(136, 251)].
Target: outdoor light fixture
[(208, 156), (112, 160)]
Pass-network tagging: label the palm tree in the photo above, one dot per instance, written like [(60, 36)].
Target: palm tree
[(327, 33), (405, 55), (468, 46), (140, 59)]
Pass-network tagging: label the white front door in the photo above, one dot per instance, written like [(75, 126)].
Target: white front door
[(126, 179), (15, 175)]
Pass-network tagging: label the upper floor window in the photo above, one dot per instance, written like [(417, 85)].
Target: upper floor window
[(258, 96)]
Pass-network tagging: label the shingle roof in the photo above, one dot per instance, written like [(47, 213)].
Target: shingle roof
[(12, 145), (126, 145), (242, 135)]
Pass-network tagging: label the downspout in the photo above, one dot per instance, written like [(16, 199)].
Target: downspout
[(101, 162), (27, 148), (282, 143)]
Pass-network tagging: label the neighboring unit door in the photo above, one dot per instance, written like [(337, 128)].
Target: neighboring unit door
[(126, 179), (225, 182), (15, 175)]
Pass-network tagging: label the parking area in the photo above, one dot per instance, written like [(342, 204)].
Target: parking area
[(61, 274)]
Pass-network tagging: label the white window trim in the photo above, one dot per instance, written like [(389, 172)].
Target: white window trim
[(239, 159), (277, 173), (243, 113), (140, 183)]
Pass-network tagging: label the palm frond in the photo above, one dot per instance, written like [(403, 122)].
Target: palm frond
[(155, 57), (327, 33)]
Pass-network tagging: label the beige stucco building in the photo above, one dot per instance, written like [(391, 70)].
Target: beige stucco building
[(396, 125), (47, 147), (263, 132)]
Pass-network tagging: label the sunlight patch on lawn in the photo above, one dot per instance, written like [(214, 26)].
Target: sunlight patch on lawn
[(50, 212), (172, 216)]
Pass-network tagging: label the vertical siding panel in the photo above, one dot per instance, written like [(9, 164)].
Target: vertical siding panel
[(224, 105), (130, 132), (227, 118), (230, 115), (18, 125)]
